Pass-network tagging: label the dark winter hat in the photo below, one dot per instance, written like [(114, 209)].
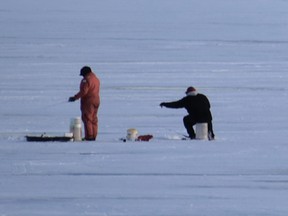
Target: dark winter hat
[(85, 70), (190, 89)]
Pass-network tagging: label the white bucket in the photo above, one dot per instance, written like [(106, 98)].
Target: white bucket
[(76, 128), (132, 134), (201, 131)]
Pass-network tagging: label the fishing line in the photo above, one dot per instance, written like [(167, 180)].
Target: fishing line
[(54, 104), (42, 108)]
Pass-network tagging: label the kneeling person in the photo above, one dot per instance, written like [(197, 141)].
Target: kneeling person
[(198, 108)]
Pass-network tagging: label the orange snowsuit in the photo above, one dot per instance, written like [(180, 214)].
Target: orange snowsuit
[(90, 101)]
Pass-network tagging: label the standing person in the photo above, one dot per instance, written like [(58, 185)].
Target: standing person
[(90, 101), (198, 108)]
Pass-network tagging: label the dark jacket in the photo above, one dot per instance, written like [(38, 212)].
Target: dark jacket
[(197, 106)]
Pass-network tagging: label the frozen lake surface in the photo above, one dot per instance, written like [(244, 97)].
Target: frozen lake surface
[(145, 52)]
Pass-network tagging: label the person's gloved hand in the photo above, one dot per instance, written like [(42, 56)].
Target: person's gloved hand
[(71, 99), (162, 104)]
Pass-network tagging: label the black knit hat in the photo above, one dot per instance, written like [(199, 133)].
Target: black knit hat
[(85, 70), (190, 89)]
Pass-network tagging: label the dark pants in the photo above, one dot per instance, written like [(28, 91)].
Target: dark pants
[(189, 122)]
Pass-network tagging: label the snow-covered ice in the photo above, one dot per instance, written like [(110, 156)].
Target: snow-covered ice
[(145, 52)]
